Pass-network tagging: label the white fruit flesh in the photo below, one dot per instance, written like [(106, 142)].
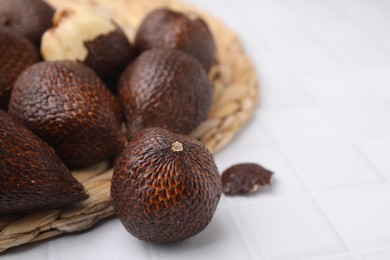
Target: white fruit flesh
[(72, 28)]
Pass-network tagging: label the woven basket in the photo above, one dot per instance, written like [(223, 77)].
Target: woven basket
[(235, 95)]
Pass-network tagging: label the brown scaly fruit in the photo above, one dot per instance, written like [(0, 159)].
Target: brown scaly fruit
[(171, 29), (165, 88), (16, 54), (87, 36), (32, 176), (68, 106), (245, 178), (165, 187), (29, 18)]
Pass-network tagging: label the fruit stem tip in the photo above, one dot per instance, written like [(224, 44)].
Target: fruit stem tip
[(177, 146)]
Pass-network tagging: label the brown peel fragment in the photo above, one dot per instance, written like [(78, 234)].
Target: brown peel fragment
[(244, 178)]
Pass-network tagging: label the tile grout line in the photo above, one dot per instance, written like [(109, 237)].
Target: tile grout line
[(317, 196), (329, 215), (248, 248), (352, 143), (152, 255), (356, 254), (235, 204), (373, 92), (385, 178), (276, 145)]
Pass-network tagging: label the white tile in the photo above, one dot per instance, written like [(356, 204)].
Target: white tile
[(37, 250), (336, 85), (350, 44), (377, 150), (378, 79), (299, 126), (357, 119), (337, 33), (284, 180), (113, 237), (251, 45), (309, 59), (283, 91), (291, 229), (287, 36), (269, 13), (370, 16), (364, 215), (376, 31), (269, 65), (222, 239), (252, 135), (337, 257), (378, 255), (307, 11), (375, 11), (363, 55), (342, 33), (334, 166)]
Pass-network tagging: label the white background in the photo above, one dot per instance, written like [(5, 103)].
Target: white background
[(323, 127)]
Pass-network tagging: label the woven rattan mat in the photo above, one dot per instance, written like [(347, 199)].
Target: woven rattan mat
[(235, 95)]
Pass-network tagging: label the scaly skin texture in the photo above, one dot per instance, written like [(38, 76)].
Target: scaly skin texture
[(164, 28), (16, 54), (244, 178), (165, 88), (91, 38), (30, 18), (68, 106), (165, 187), (32, 176), (108, 55)]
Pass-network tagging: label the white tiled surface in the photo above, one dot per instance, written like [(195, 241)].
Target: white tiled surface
[(334, 166), (323, 127), (364, 213), (289, 229)]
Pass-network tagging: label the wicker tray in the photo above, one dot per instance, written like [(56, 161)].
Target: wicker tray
[(235, 95)]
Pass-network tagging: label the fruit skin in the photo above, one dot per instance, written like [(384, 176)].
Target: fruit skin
[(68, 106), (165, 88), (170, 29), (32, 176), (163, 192), (86, 36), (29, 18), (16, 54), (244, 178)]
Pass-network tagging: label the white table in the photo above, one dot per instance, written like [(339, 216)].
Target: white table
[(323, 127)]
